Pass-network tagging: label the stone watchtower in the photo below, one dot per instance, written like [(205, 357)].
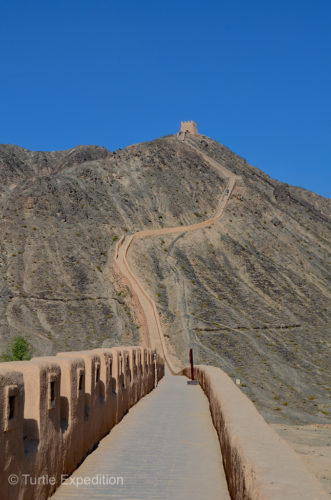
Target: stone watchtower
[(189, 127)]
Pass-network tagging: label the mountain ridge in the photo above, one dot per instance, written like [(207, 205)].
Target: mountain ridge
[(61, 218)]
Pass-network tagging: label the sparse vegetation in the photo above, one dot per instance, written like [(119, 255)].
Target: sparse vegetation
[(19, 350)]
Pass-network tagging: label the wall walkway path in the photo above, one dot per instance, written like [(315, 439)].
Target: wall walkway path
[(165, 448)]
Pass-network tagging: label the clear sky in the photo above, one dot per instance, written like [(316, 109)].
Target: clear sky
[(255, 75)]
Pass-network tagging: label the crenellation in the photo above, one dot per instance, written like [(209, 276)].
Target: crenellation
[(188, 127), (54, 410)]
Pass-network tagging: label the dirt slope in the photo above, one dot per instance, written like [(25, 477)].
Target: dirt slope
[(249, 294)]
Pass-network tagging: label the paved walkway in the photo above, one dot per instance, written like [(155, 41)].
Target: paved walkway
[(165, 448)]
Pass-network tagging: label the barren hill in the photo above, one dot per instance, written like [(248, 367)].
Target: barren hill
[(249, 293)]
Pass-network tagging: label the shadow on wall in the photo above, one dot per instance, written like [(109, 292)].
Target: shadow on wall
[(54, 410), (30, 436)]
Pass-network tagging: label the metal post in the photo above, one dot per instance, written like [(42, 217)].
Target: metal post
[(192, 381), (191, 361)]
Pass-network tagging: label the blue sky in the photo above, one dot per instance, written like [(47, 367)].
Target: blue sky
[(255, 75)]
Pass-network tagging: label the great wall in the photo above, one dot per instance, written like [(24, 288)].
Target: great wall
[(54, 410)]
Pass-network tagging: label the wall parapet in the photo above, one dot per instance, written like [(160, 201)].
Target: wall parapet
[(258, 463), (55, 409)]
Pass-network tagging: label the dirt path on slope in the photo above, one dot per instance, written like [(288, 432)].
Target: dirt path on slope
[(147, 311)]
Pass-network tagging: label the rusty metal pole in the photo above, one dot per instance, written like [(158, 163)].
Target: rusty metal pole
[(192, 381), (191, 361)]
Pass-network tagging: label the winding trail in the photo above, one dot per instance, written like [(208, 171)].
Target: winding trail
[(154, 337)]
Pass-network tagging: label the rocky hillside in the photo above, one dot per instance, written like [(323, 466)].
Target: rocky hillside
[(249, 293)]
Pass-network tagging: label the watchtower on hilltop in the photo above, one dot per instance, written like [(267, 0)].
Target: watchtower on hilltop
[(188, 127)]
